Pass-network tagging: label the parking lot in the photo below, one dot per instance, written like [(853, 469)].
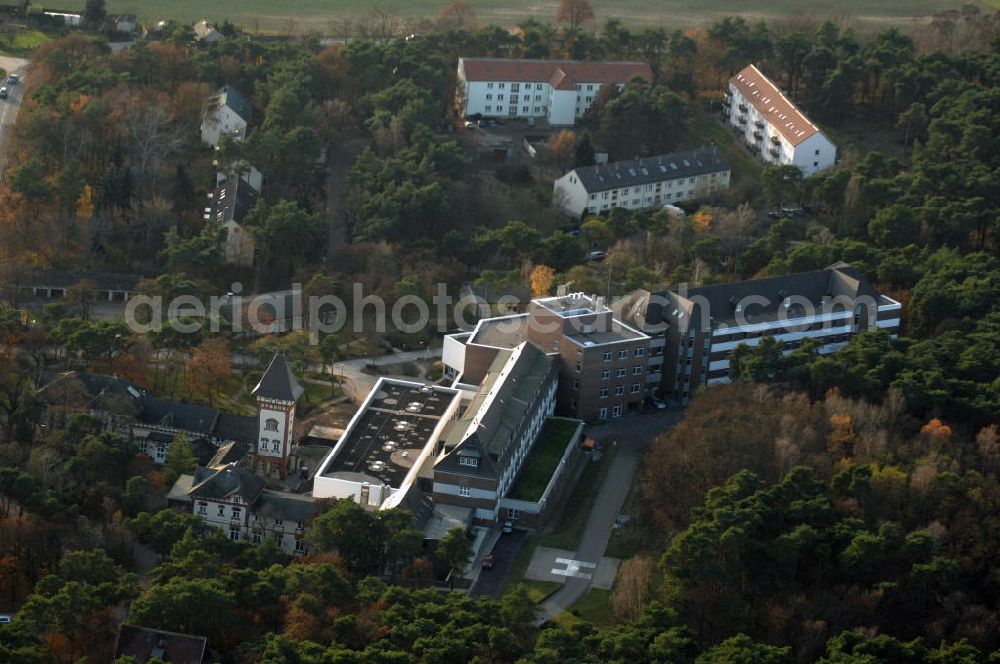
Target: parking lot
[(490, 581)]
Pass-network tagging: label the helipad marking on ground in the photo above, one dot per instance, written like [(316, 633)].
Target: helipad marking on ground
[(573, 568)]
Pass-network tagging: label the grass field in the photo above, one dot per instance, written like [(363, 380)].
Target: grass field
[(326, 16), (24, 42), (544, 458)]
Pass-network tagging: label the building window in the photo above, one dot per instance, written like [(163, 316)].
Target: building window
[(572, 404), (602, 413), (202, 508), (222, 510), (619, 390), (606, 374), (489, 96), (234, 534), (503, 85), (635, 388), (278, 522), (576, 384), (640, 351), (468, 461), (623, 354), (263, 444), (256, 538), (817, 153), (237, 513), (464, 491), (607, 355), (489, 85), (578, 366), (604, 393), (300, 546), (622, 371), (815, 164), (636, 370), (270, 424), (616, 411), (489, 108)]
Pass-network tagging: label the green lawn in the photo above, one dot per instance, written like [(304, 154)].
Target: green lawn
[(594, 607), (24, 43), (327, 16), (544, 458)]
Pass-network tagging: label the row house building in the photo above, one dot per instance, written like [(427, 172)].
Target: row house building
[(772, 126), (228, 113), (557, 91), (694, 331), (640, 184)]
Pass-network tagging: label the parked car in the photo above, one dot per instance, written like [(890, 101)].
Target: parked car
[(5, 618), (13, 79), (656, 402), (775, 214), (469, 124), (793, 212), (487, 562), (508, 526), (597, 255), (4, 92)]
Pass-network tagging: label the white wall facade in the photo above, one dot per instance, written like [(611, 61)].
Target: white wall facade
[(523, 99), (812, 155), (571, 196), (219, 121)]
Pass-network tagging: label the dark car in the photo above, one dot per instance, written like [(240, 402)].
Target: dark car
[(487, 562), (774, 214), (13, 79)]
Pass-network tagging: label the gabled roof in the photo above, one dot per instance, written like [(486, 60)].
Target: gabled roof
[(233, 200), (239, 428), (278, 381), (229, 96), (222, 482), (651, 169), (144, 643), (560, 74), (776, 108), (99, 392), (178, 415), (227, 454), (286, 506)]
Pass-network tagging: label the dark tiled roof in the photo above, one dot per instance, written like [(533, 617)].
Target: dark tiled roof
[(278, 381), (91, 391), (177, 415), (144, 644), (234, 100), (240, 428), (227, 454), (839, 279), (204, 450), (211, 483), (233, 200), (651, 169), (286, 506)]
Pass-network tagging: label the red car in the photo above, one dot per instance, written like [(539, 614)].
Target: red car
[(487, 562)]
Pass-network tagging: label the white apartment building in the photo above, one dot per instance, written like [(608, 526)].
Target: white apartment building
[(559, 91), (773, 127), (694, 331), (639, 184)]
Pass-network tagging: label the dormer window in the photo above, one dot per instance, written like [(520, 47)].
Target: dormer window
[(271, 424), (472, 462)]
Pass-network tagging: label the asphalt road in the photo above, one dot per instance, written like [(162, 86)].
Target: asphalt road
[(632, 435), (9, 107), (490, 582)]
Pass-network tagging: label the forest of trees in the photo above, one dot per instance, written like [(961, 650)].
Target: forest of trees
[(840, 509)]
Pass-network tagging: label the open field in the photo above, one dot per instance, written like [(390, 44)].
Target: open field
[(326, 16)]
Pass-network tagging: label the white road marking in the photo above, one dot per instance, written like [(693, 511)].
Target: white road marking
[(573, 568)]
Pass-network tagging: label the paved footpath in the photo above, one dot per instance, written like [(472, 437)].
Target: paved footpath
[(632, 435)]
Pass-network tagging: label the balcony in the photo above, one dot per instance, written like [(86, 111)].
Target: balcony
[(727, 103), (743, 108), (759, 124), (775, 140), (758, 135), (742, 119), (775, 152)]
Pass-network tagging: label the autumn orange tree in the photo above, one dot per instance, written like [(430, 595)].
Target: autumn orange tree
[(208, 368)]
